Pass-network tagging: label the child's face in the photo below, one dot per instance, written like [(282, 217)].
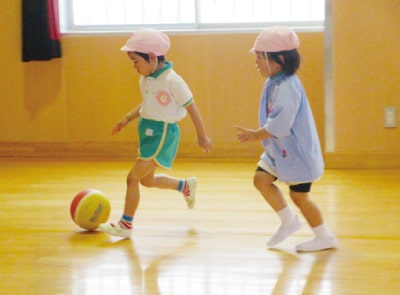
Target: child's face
[(142, 66), (266, 67)]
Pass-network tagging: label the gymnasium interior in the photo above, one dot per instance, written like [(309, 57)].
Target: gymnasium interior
[(56, 118)]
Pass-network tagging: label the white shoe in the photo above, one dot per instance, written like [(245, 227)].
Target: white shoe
[(191, 198), (115, 229), (284, 231), (318, 244)]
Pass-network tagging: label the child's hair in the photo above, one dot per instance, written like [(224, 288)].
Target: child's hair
[(291, 60), (146, 56)]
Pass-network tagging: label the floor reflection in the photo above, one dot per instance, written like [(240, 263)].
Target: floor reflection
[(188, 264), (118, 268), (304, 273)]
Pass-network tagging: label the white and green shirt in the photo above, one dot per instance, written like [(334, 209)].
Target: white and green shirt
[(165, 95)]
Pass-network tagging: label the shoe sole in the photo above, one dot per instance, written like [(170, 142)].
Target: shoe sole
[(105, 230), (193, 187)]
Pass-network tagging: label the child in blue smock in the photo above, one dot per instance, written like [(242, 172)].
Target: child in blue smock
[(292, 152)]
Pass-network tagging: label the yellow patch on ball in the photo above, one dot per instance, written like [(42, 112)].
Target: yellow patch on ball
[(89, 208)]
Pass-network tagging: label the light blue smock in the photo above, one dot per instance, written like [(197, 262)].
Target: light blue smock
[(294, 151)]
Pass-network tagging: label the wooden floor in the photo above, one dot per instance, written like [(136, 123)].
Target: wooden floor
[(217, 248)]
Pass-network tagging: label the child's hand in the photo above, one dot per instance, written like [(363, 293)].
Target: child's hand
[(245, 134), (205, 143), (121, 124)]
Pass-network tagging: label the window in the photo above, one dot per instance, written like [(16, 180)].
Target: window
[(121, 15)]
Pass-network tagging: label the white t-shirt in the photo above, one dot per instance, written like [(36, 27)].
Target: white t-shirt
[(165, 96)]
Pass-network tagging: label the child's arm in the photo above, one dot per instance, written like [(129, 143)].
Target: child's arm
[(132, 115), (245, 134), (203, 140)]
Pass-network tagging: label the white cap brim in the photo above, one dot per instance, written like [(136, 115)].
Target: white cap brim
[(125, 48)]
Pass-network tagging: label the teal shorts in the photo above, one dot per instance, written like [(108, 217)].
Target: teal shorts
[(158, 141)]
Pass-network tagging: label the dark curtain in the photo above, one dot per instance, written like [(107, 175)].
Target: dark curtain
[(40, 30)]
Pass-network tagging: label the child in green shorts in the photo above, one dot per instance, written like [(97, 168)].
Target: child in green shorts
[(166, 100)]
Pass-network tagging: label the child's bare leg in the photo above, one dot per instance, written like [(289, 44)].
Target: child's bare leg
[(264, 182), (123, 227), (308, 208), (140, 170), (186, 186), (160, 181)]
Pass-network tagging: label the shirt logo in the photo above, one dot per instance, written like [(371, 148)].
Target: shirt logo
[(163, 98), (149, 132), (269, 108)]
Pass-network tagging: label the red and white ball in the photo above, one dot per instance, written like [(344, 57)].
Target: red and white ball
[(89, 208)]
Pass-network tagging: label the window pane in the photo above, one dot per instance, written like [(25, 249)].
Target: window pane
[(125, 12), (113, 14), (250, 11)]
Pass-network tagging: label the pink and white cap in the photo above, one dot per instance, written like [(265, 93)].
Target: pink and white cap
[(275, 39), (148, 41)]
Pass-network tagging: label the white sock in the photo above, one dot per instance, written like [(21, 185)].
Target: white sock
[(322, 231), (289, 224), (286, 215)]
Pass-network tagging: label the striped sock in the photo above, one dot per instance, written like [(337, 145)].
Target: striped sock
[(183, 187), (126, 222)]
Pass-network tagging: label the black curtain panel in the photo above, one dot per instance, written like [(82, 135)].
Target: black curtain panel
[(40, 30)]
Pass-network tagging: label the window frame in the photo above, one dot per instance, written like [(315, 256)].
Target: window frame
[(67, 26)]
